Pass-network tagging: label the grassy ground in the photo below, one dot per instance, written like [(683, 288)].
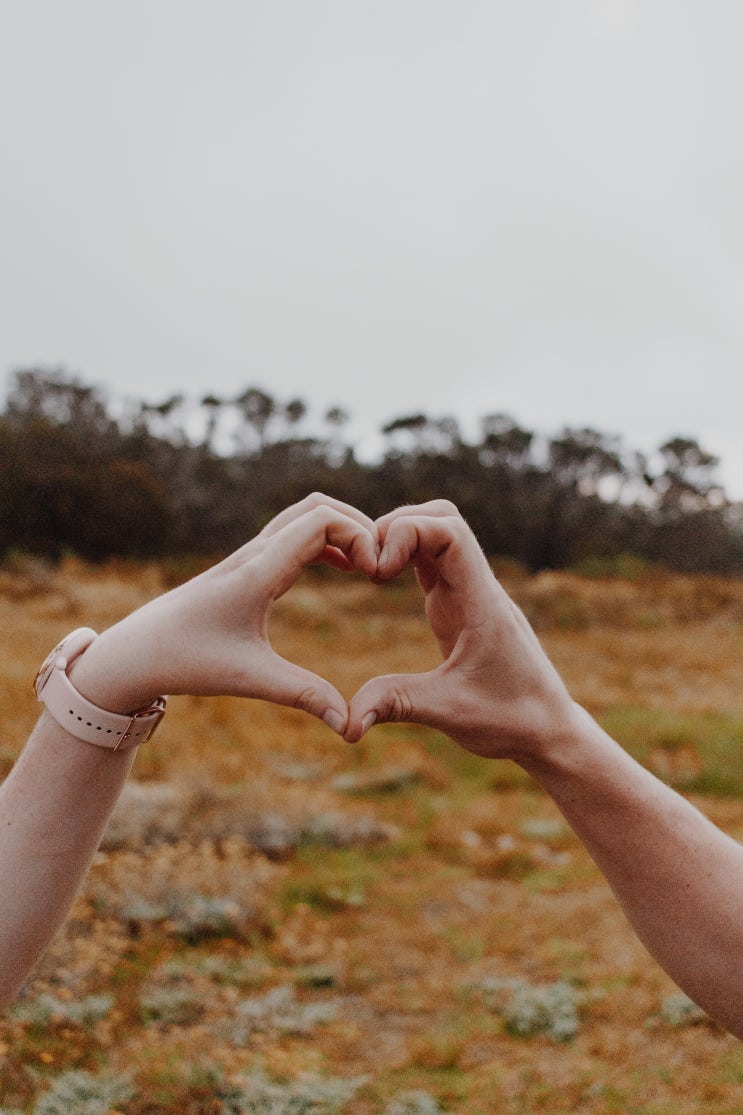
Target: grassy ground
[(278, 922)]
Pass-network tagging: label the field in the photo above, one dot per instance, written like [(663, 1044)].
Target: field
[(278, 922)]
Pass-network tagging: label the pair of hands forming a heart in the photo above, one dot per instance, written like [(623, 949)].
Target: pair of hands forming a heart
[(678, 877), (495, 691)]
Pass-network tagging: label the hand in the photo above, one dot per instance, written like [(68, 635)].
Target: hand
[(210, 635), (496, 692)]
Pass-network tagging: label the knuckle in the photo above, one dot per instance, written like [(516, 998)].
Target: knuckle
[(317, 499), (305, 700), (398, 706), (446, 507)]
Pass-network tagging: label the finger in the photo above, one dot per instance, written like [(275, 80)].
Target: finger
[(416, 538), (283, 682), (435, 508), (309, 503), (426, 571), (336, 558), (440, 548), (394, 698), (309, 538)]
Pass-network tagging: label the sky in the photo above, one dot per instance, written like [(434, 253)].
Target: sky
[(460, 207)]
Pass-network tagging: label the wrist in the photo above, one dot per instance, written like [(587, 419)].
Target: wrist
[(113, 673), (93, 707), (103, 687), (565, 747)]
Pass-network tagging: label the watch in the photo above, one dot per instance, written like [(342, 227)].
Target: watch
[(79, 716)]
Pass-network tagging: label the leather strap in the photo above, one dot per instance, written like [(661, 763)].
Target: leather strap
[(84, 720)]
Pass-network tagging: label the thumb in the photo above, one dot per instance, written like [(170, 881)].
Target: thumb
[(285, 683), (390, 698)]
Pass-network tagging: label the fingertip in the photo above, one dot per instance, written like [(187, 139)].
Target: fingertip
[(360, 551), (370, 562), (335, 721), (385, 564), (368, 721), (358, 726)]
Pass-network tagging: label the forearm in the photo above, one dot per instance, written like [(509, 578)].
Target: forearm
[(54, 807), (56, 802), (678, 878)]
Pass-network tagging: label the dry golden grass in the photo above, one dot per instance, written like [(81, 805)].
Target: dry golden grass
[(269, 898)]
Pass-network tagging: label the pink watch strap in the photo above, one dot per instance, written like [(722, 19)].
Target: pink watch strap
[(84, 720)]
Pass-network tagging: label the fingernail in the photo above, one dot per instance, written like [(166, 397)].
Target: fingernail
[(334, 720), (369, 719)]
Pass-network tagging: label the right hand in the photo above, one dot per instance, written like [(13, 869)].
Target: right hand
[(496, 693)]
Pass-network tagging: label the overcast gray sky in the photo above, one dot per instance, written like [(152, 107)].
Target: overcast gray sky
[(461, 207)]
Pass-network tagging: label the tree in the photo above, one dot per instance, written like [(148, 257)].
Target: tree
[(165, 419), (77, 474), (294, 411), (256, 409), (337, 417), (687, 481), (422, 435), (504, 444), (56, 496), (62, 400), (581, 459), (213, 405)]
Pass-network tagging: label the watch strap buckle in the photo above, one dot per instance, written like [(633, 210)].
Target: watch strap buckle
[(148, 718)]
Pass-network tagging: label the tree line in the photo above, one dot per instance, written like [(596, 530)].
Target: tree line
[(100, 477)]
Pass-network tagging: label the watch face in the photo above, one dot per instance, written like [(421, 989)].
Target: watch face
[(75, 643)]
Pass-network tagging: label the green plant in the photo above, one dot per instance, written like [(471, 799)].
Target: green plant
[(680, 1010), (241, 971), (80, 1093), (175, 1005), (41, 1010), (311, 1095), (527, 1009), (279, 1009), (200, 915), (714, 736), (416, 1102), (627, 566), (211, 890), (338, 880)]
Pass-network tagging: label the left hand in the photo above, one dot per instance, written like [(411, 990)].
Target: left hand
[(209, 636)]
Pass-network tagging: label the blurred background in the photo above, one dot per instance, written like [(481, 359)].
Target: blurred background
[(233, 224)]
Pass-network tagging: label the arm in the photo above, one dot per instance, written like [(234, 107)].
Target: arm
[(677, 876), (206, 637)]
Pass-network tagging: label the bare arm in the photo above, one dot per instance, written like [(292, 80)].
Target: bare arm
[(54, 806), (677, 876), (207, 637)]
